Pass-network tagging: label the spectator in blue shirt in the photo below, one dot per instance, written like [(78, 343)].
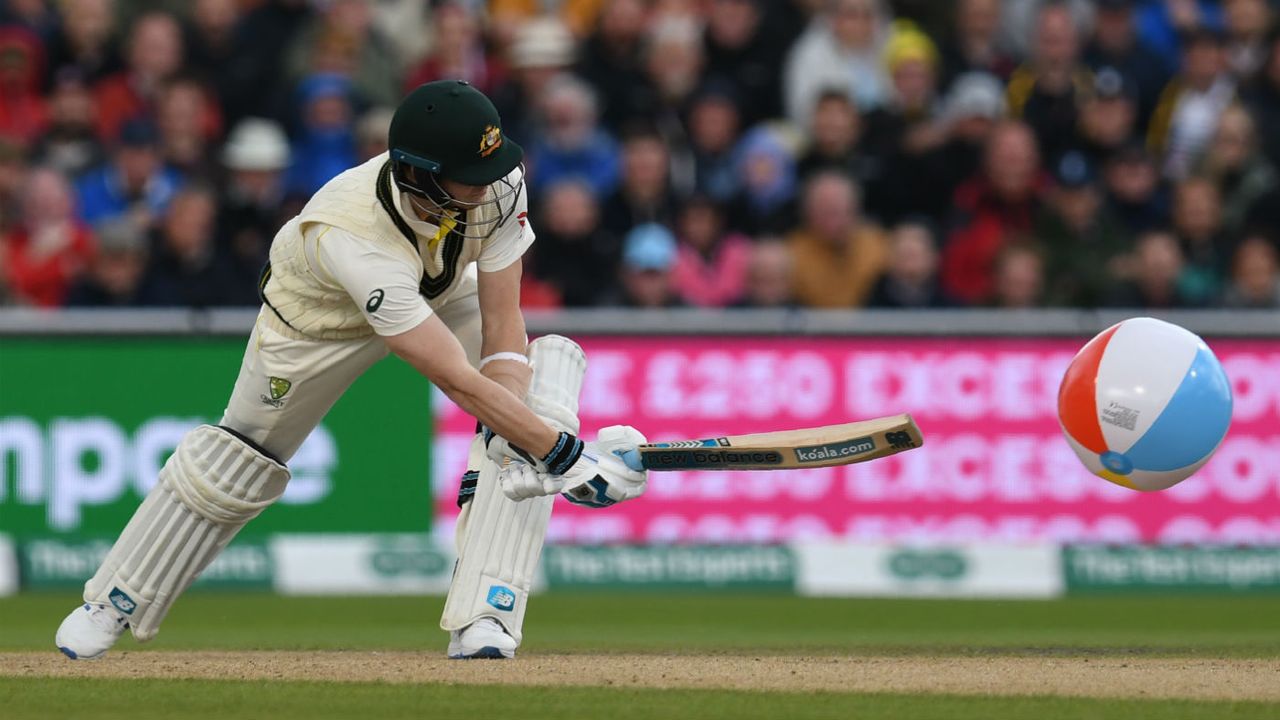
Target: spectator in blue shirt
[(1163, 23), (326, 143), (132, 182), (569, 143)]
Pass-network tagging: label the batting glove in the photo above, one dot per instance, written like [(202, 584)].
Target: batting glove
[(600, 478), (565, 453), (597, 478)]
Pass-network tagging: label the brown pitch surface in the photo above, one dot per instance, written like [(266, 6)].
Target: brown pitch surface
[(1077, 676)]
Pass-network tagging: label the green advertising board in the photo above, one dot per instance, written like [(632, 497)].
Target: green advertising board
[(671, 567), (85, 424), (60, 564), (1170, 568)]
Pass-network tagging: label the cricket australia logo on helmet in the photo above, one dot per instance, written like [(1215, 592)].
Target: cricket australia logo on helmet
[(490, 141)]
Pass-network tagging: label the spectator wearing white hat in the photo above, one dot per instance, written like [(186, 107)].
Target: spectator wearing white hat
[(540, 51), (255, 156)]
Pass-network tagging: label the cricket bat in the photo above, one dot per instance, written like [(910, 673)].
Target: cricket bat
[(809, 448)]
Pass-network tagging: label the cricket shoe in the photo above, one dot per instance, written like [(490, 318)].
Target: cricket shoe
[(483, 639), (90, 631)]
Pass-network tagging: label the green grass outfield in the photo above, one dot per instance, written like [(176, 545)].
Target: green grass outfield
[(220, 700), (1101, 627)]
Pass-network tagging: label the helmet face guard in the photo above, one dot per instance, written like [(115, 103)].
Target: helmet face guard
[(419, 177)]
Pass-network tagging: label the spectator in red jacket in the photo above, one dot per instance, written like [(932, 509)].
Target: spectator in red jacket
[(457, 52), (49, 248), (23, 112), (154, 54), (13, 173), (992, 209)]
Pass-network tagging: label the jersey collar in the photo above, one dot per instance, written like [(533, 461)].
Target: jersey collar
[(403, 206)]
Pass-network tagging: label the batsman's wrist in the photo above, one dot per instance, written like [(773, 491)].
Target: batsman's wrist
[(511, 356), (567, 450)]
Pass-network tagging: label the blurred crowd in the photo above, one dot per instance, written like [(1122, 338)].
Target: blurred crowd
[(719, 153)]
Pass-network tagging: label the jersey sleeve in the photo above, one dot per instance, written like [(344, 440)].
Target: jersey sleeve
[(381, 284), (511, 239)]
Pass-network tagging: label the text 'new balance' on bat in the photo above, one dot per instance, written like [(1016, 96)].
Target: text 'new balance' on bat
[(812, 447)]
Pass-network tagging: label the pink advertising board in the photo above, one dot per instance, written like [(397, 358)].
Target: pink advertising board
[(994, 465)]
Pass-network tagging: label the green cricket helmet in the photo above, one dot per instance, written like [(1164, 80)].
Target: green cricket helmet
[(448, 130)]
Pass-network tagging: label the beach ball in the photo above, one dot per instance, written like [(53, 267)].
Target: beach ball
[(1145, 404)]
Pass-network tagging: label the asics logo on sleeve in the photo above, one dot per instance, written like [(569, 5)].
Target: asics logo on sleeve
[(375, 300)]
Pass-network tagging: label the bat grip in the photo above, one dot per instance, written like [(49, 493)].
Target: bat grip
[(631, 458)]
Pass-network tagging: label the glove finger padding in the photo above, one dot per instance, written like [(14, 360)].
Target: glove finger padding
[(497, 449), (601, 478), (519, 481), (620, 438)]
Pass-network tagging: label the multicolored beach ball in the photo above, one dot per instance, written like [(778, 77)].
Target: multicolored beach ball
[(1145, 404)]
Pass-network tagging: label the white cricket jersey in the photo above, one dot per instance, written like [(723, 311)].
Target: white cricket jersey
[(346, 267)]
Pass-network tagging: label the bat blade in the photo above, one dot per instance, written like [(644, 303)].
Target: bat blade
[(824, 446)]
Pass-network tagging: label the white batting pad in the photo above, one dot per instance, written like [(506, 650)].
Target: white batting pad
[(500, 540), (559, 365), (212, 485)]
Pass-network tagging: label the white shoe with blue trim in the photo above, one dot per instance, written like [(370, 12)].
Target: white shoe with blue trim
[(90, 631), (483, 639)]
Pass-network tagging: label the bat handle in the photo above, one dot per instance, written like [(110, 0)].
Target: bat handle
[(631, 458)]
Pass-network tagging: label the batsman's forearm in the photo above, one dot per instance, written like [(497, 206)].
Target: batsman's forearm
[(505, 333), (433, 351), (505, 414), (510, 374)]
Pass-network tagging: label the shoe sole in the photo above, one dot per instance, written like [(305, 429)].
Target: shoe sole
[(82, 658), (487, 652)]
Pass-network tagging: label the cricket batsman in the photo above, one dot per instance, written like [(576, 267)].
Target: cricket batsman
[(416, 252)]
